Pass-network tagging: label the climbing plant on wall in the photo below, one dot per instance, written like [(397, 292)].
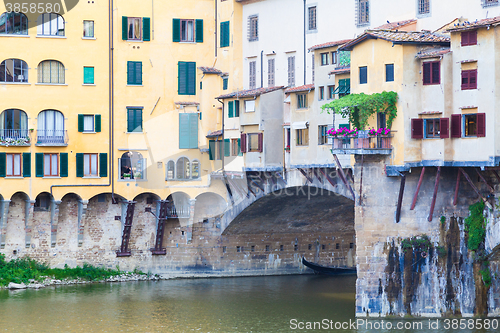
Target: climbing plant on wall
[(360, 107)]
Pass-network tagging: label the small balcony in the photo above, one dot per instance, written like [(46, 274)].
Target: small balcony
[(359, 145), (15, 137), (52, 138), (178, 212)]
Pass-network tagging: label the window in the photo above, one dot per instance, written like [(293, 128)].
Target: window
[(88, 29), (331, 90), (88, 75), (42, 202), (235, 147), (87, 165), (321, 93), (432, 128), (170, 170), (469, 79), (469, 38), (301, 101), (88, 123), (13, 70), (291, 71), (183, 170), (423, 7), (431, 72), (134, 72), (313, 65), (225, 82), (389, 72), (334, 57), (254, 142), (187, 30), (303, 137), (51, 71), (195, 169), (224, 34), (233, 109), (267, 248), (474, 125), (134, 28), (363, 12), (324, 59), (253, 28), (270, 72), (363, 75), (252, 73), (188, 130), (50, 24), (90, 165), (216, 149), (488, 3), (50, 127), (13, 164), (134, 120), (238, 249), (322, 135), (186, 78), (250, 106), (50, 165), (13, 24), (132, 166), (312, 18), (13, 125)]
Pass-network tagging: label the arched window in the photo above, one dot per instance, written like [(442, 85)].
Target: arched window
[(13, 24), (50, 71), (183, 171), (50, 127), (195, 169), (50, 24), (13, 70), (132, 166), (170, 170), (13, 124)]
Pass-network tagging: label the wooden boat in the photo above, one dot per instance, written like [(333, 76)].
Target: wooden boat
[(318, 269)]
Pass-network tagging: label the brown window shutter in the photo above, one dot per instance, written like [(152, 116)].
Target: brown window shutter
[(456, 125), (261, 141), (243, 142), (465, 80), (481, 125), (473, 79), (427, 72), (417, 128), (473, 37), (436, 72), (444, 128), (465, 38)]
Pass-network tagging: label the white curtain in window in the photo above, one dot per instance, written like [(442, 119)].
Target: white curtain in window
[(54, 72), (17, 164), (93, 165), (2, 120), (86, 164), (190, 30), (41, 123), (9, 165), (54, 164), (88, 123), (137, 28), (88, 28), (170, 170), (46, 164), (58, 121), (49, 122), (24, 121)]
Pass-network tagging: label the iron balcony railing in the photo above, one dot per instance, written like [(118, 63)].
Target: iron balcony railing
[(52, 137), (370, 142), (178, 212), (15, 137)]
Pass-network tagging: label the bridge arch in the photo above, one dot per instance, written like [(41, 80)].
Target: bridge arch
[(208, 205)]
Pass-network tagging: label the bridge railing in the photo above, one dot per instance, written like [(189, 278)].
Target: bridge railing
[(378, 144)]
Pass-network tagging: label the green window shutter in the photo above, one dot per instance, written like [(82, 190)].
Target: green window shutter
[(138, 72), (191, 78), (103, 165), (97, 123), (63, 164), (80, 123), (3, 162), (230, 111), (239, 148), (224, 83), (26, 164), (39, 164), (124, 28), (193, 130), (146, 29), (182, 78), (130, 72), (227, 147), (183, 130), (88, 75), (130, 120), (236, 108), (199, 31), (224, 34), (211, 150), (176, 30), (79, 164), (200, 115), (138, 120)]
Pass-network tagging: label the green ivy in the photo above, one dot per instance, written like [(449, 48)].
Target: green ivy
[(486, 275), (419, 243), (360, 107), (475, 227)]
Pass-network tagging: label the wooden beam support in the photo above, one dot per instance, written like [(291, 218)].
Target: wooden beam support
[(496, 175), (257, 184), (342, 176), (281, 177), (475, 188), (400, 197), (455, 199), (309, 179), (484, 180), (434, 196), (361, 183), (330, 180), (414, 202), (317, 175)]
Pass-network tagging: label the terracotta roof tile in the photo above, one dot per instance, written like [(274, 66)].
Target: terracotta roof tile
[(400, 37), (306, 87), (215, 134), (431, 112), (467, 25), (396, 25), (249, 93), (209, 70), (186, 103), (433, 52), (340, 70), (329, 44)]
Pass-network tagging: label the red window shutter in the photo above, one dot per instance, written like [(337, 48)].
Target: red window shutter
[(481, 125), (473, 37), (444, 128), (243, 142), (417, 128), (427, 72), (436, 72), (261, 141), (473, 79), (465, 80), (465, 38), (456, 125)]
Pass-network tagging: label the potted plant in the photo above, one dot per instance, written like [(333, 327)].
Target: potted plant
[(126, 176), (287, 148), (137, 175)]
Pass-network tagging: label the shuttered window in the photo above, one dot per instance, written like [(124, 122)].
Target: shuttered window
[(224, 34), (236, 108), (136, 28), (227, 147), (230, 109), (363, 12), (134, 120), (389, 72), (253, 28), (13, 165), (291, 71), (187, 30), (186, 78), (270, 72), (88, 165), (224, 83), (89, 123), (469, 38), (469, 79), (431, 72), (88, 75), (444, 128), (475, 125), (252, 75), (188, 130), (255, 142), (243, 143), (417, 128), (26, 164), (146, 29), (456, 126), (363, 75), (3, 164), (103, 165), (63, 171), (134, 72)]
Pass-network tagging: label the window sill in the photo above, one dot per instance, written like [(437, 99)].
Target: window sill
[(312, 31), (14, 35), (14, 177), (187, 42), (89, 38), (51, 144), (302, 146), (132, 180), (17, 83), (135, 132), (89, 84), (48, 36), (134, 85), (91, 177), (134, 40), (51, 177), (51, 84), (469, 137), (183, 180), (88, 132)]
